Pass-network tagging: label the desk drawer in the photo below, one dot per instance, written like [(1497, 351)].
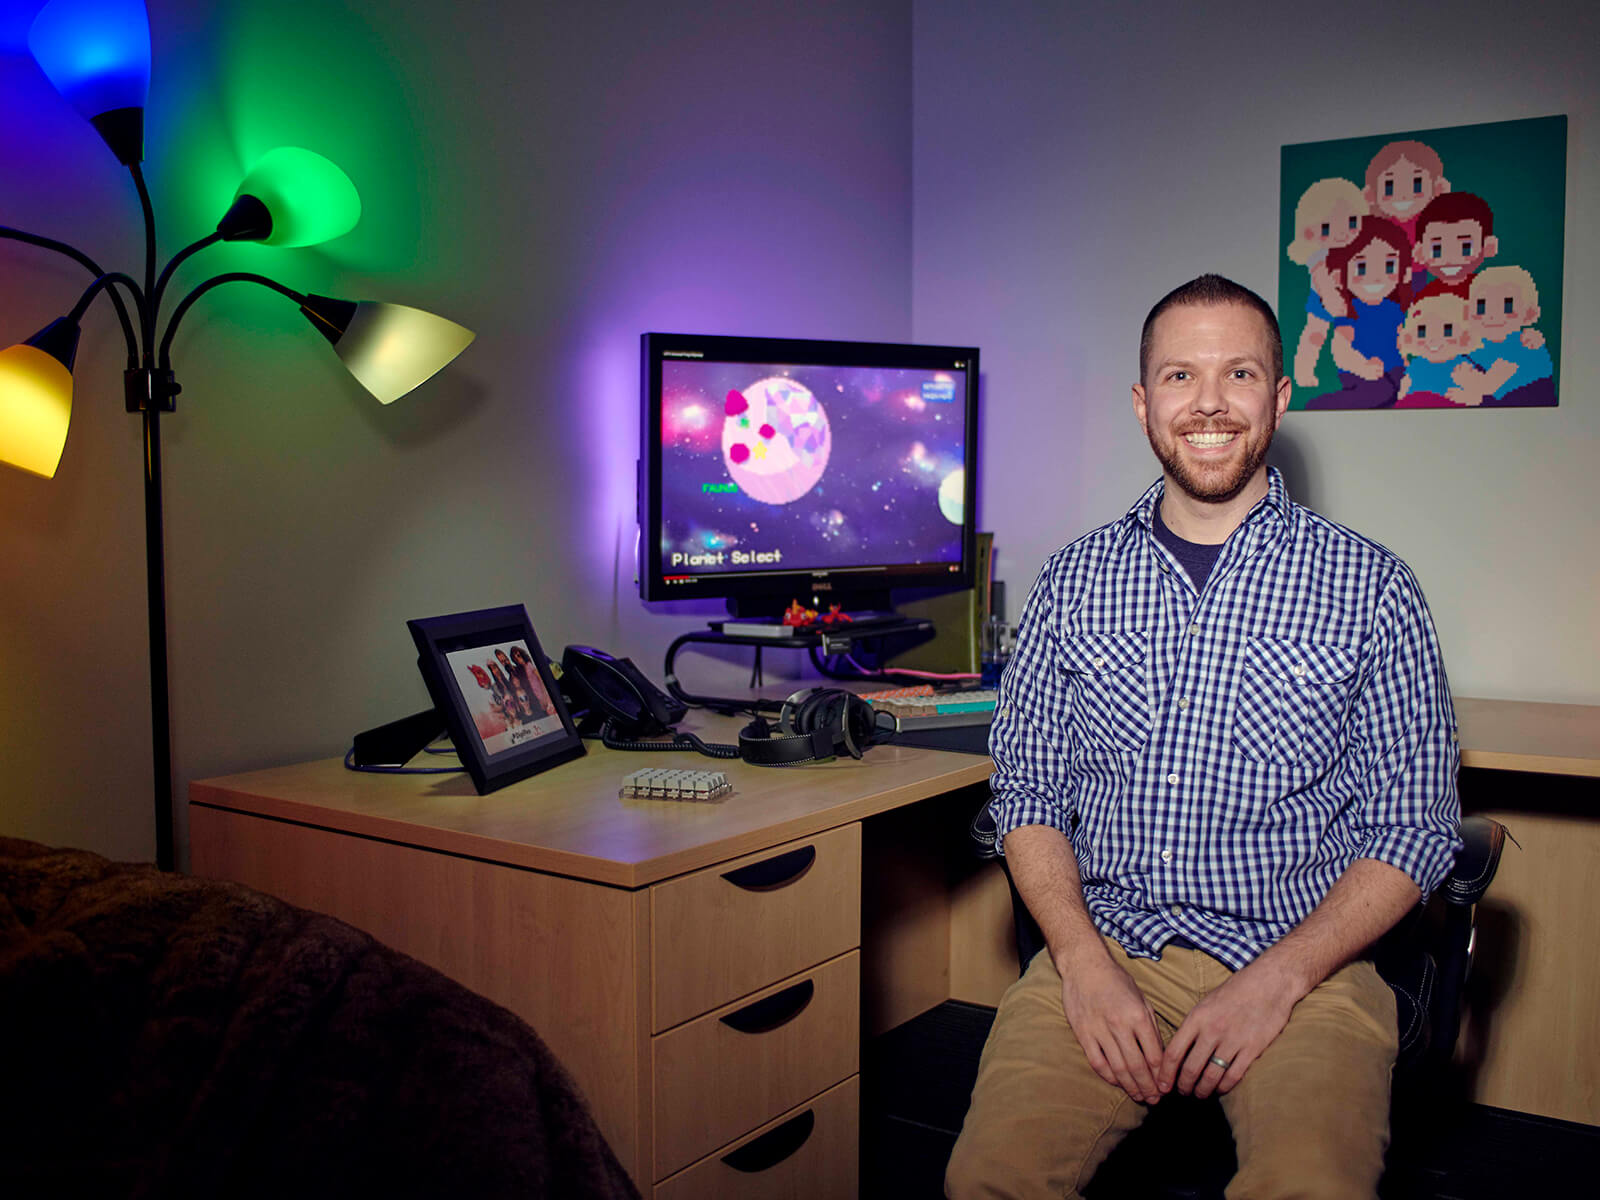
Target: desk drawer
[(723, 932), (721, 1076), (811, 1153)]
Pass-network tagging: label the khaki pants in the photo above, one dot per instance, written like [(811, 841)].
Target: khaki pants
[(1310, 1118)]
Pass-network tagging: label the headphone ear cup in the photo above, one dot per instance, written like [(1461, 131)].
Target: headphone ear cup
[(793, 706), (867, 725)]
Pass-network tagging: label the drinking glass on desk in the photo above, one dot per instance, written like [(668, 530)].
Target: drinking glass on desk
[(998, 641)]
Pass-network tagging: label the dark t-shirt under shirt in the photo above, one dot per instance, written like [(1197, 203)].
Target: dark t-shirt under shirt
[(1196, 558)]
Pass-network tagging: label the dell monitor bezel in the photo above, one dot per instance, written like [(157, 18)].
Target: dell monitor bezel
[(766, 592)]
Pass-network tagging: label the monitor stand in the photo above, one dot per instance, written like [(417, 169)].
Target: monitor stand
[(771, 606)]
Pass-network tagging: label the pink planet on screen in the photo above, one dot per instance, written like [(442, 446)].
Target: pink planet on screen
[(776, 443)]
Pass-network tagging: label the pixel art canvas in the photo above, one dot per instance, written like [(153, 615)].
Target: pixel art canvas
[(1424, 269)]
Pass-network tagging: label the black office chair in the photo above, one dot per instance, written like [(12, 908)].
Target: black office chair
[(1425, 960)]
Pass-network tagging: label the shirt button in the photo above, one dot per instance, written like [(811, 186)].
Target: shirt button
[(1300, 670), (1177, 908), (1098, 662), (1183, 702), (1166, 856), (1193, 630), (1173, 778)]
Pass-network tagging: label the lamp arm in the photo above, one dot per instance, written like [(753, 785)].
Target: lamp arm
[(149, 322), (187, 302), (177, 261), (104, 284), (83, 260)]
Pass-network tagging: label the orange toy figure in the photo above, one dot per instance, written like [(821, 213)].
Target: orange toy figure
[(797, 614)]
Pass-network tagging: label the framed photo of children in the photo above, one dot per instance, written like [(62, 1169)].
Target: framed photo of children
[(1423, 269), (491, 683)]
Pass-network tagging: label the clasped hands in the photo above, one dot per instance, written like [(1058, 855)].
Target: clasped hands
[(1116, 1026)]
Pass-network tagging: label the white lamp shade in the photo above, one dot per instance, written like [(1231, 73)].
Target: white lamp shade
[(393, 349)]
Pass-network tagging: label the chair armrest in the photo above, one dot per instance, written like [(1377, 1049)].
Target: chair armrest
[(982, 831), (1477, 863)]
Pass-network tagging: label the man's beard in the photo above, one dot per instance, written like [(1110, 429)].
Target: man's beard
[(1218, 482)]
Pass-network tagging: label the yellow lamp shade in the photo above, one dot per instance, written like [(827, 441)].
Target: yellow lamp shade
[(35, 408)]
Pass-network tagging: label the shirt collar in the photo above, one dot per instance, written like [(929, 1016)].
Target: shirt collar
[(1275, 505)]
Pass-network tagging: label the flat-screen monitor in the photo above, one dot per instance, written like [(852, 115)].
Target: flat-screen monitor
[(778, 469)]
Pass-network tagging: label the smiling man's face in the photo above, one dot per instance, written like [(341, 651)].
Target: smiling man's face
[(1210, 404)]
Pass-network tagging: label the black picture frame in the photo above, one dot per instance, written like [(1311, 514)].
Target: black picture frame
[(470, 664)]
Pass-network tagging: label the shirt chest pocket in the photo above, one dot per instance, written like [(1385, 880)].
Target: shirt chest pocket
[(1110, 693), (1292, 700)]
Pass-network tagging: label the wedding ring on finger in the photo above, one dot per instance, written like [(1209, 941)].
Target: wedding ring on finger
[(1223, 1063)]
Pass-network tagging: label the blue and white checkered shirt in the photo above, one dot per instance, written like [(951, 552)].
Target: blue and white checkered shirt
[(1219, 759)]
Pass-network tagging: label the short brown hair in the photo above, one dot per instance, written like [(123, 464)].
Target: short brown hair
[(1419, 153), (1213, 289)]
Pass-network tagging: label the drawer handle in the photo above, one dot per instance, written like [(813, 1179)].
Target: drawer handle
[(778, 871), (773, 1146), (769, 1012)]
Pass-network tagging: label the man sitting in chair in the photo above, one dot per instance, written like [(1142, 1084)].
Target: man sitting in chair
[(1225, 763)]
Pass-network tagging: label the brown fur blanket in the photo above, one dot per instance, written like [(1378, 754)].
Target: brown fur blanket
[(162, 1036)]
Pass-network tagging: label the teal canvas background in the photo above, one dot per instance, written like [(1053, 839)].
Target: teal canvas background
[(1519, 167)]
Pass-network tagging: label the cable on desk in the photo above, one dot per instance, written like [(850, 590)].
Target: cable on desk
[(350, 765), (680, 741), (727, 706), (862, 671)]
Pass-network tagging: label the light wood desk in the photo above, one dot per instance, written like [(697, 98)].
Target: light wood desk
[(1533, 1029), (610, 925), (623, 931)]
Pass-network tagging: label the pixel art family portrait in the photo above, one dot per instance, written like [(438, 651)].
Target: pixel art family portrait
[(1424, 269)]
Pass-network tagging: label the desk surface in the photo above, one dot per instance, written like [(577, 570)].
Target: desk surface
[(570, 820), (1519, 735)]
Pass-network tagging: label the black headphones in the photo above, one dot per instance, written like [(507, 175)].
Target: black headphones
[(816, 723)]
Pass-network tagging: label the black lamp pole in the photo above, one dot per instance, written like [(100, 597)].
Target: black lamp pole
[(156, 593)]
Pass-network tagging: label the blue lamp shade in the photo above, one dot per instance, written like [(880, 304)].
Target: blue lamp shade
[(97, 54)]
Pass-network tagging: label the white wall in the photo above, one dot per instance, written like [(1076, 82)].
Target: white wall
[(1075, 161), (559, 177)]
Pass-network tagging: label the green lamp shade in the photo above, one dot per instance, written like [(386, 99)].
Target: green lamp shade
[(305, 197), (35, 407), (390, 348)]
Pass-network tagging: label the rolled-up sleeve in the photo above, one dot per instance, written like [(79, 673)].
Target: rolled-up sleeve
[(1403, 741), (1027, 740)]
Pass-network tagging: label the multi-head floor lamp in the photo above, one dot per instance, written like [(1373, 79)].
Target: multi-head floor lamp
[(97, 54)]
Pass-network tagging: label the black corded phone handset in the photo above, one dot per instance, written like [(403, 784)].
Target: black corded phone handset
[(616, 691)]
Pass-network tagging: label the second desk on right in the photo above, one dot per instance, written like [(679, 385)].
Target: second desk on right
[(1532, 1034)]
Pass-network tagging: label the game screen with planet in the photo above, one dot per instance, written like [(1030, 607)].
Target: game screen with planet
[(767, 467)]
